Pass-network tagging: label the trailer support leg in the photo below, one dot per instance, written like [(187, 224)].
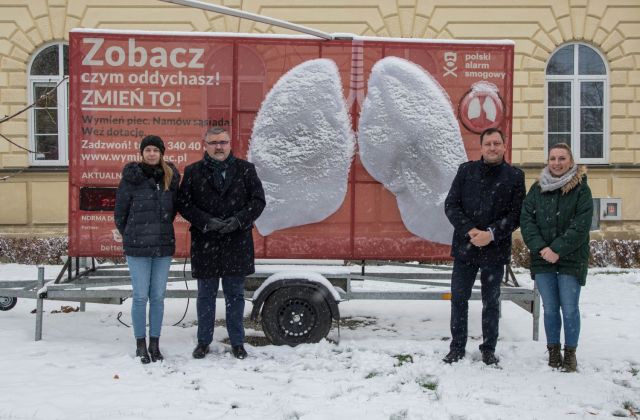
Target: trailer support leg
[(39, 305), (83, 304), (536, 313), (84, 263)]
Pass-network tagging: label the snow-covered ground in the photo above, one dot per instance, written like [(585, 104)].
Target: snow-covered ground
[(387, 365)]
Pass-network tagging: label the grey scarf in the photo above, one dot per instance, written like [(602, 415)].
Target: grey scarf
[(549, 182)]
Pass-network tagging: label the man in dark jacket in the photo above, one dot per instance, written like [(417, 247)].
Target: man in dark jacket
[(221, 196), (483, 206)]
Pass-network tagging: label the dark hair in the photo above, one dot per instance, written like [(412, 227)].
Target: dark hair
[(491, 131), (215, 131)]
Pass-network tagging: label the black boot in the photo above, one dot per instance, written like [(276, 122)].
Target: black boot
[(239, 352), (154, 349), (555, 356), (453, 356), (489, 357), (200, 351), (141, 350)]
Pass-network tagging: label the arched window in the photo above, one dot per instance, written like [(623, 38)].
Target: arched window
[(48, 132), (577, 88)]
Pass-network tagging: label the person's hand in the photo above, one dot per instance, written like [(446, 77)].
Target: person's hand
[(480, 238), (231, 225), (549, 255), (214, 225), (473, 232)]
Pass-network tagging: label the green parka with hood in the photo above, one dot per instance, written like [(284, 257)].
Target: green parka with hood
[(559, 219)]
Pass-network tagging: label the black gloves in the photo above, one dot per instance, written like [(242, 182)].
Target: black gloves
[(232, 224), (214, 225), (228, 225)]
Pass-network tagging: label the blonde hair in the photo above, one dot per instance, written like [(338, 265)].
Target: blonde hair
[(168, 173), (563, 146)]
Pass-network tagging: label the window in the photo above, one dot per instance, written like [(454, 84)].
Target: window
[(48, 118), (577, 102)]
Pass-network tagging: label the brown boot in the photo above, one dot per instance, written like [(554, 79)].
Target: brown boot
[(570, 362), (555, 356)]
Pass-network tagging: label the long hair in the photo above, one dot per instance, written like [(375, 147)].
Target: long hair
[(168, 173)]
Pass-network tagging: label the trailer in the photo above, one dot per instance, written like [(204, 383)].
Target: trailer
[(356, 140)]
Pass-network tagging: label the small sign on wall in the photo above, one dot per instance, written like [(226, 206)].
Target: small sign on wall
[(610, 209)]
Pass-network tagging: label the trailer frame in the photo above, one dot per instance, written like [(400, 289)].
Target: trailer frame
[(82, 280)]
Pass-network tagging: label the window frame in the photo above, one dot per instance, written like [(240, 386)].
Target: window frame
[(576, 79), (62, 107)]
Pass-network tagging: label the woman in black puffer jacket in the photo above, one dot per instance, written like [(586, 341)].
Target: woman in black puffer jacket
[(144, 213)]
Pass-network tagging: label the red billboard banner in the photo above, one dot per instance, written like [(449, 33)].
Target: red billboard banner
[(125, 85)]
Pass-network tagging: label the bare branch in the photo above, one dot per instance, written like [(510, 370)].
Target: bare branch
[(44, 97), (4, 178), (15, 144)]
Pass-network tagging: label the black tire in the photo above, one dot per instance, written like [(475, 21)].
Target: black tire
[(295, 315), (7, 303)]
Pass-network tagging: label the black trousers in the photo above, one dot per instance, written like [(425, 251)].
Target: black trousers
[(233, 288), (462, 279)]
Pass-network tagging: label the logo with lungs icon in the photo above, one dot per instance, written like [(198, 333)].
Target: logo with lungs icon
[(481, 107)]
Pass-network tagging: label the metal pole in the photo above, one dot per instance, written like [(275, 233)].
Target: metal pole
[(251, 16), (83, 288), (39, 305), (83, 304), (536, 312)]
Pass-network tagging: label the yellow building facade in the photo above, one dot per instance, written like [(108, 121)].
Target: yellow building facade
[(549, 35)]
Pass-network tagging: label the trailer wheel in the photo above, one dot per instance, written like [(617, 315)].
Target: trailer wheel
[(7, 303), (295, 315)]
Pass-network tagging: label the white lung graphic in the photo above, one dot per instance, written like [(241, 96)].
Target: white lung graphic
[(409, 140), (474, 109), (489, 108), (302, 146)]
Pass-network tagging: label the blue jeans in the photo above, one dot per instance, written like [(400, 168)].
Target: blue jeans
[(233, 288), (462, 279), (560, 292), (149, 281)]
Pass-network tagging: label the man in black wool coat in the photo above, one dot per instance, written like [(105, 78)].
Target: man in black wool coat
[(221, 196), (483, 206)]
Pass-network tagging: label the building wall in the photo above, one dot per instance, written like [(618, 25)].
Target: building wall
[(35, 201)]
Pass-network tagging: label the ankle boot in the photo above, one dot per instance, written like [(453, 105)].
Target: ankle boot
[(141, 350), (570, 362), (154, 349), (555, 356)]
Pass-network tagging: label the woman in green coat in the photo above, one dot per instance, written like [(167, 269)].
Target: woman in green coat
[(555, 222)]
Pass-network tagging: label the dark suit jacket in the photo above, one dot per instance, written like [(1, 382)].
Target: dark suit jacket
[(485, 197)]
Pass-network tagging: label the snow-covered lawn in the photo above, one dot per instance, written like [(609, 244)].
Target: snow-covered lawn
[(387, 365)]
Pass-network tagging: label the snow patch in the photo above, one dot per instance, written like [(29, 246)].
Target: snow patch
[(292, 275), (302, 146)]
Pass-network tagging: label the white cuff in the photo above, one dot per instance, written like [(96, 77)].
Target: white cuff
[(491, 232)]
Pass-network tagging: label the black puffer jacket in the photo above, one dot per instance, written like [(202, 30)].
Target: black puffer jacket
[(144, 213), (485, 197)]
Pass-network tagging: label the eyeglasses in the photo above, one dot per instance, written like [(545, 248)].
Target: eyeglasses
[(217, 143)]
